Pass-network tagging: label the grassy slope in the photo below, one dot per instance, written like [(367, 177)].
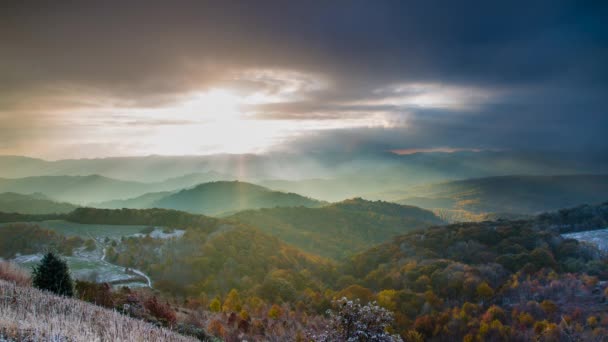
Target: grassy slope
[(30, 314)]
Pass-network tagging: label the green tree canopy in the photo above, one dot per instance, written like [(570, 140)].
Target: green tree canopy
[(53, 275)]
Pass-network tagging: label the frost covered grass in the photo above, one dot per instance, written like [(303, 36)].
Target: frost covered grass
[(32, 315), (598, 237)]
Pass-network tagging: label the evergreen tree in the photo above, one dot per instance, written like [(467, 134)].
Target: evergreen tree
[(53, 275)]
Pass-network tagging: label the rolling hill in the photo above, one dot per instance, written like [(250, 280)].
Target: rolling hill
[(223, 197), (510, 194), (339, 229), (34, 204), (140, 202), (213, 256), (98, 189)]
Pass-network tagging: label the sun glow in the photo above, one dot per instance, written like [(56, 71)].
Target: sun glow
[(215, 105)]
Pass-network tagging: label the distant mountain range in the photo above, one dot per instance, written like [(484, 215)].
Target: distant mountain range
[(325, 175), (32, 204), (508, 194), (339, 229), (95, 188)]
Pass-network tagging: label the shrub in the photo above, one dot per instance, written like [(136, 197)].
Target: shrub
[(13, 273), (352, 321), (160, 311)]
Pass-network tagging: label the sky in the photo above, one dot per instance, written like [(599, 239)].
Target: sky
[(122, 78)]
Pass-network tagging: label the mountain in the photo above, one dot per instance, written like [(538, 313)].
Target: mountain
[(75, 189), (34, 204), (140, 202), (221, 197), (326, 175), (340, 229), (95, 188), (509, 194)]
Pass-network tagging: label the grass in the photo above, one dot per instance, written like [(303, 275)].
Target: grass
[(12, 272), (27, 314)]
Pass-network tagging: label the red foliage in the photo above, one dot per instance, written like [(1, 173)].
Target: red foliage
[(162, 312)]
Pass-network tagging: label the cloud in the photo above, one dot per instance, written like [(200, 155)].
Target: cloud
[(401, 74)]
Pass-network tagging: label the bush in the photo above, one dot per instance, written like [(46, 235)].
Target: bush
[(160, 311), (355, 322)]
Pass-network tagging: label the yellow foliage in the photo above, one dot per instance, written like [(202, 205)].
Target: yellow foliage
[(275, 312), (484, 291), (216, 305), (386, 298), (232, 302), (413, 336), (592, 321)]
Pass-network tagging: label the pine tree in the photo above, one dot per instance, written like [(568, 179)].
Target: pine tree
[(53, 275)]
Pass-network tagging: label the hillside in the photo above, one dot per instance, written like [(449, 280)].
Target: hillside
[(34, 204), (491, 281), (227, 257), (27, 314), (510, 194), (140, 202), (340, 229), (222, 197)]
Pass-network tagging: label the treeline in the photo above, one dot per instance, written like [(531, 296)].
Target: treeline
[(584, 217), (16, 217), (22, 238), (151, 217)]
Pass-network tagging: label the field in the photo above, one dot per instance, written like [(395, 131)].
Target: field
[(89, 268), (91, 265), (597, 237)]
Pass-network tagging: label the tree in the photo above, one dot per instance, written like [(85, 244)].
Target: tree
[(232, 302), (355, 322), (484, 291), (53, 275), (216, 305)]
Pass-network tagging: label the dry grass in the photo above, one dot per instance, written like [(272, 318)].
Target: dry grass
[(13, 273), (32, 315)]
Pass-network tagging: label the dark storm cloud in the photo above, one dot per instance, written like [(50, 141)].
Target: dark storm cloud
[(546, 60)]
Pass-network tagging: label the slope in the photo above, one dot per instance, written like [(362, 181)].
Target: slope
[(27, 314), (340, 229), (221, 197), (34, 204), (510, 194)]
